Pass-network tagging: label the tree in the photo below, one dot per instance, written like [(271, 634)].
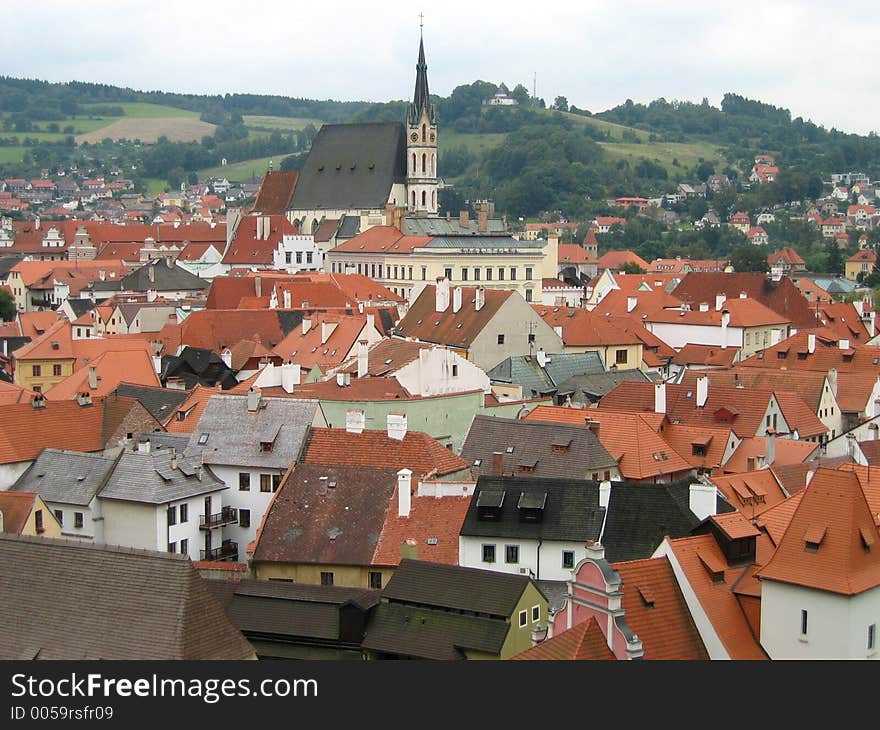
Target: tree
[(834, 262), (631, 267), (704, 169), (748, 258), (560, 103), (7, 306), (521, 94)]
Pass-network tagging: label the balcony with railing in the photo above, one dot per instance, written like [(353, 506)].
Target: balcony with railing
[(228, 550), (226, 516)]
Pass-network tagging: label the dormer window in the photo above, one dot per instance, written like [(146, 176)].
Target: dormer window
[(813, 538), (867, 538), (531, 506), (489, 504)]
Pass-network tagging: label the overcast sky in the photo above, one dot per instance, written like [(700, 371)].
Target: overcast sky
[(819, 59)]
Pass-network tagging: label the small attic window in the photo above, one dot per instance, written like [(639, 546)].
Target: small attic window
[(203, 438), (813, 538), (432, 541), (867, 538), (510, 449), (477, 462), (647, 596)]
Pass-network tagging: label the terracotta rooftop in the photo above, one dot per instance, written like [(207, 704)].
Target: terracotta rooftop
[(186, 417), (276, 192), (706, 355), (584, 642), (788, 451), (382, 239), (743, 313), (112, 368), (618, 259), (793, 354), (581, 328), (250, 249), (751, 492), (15, 507)]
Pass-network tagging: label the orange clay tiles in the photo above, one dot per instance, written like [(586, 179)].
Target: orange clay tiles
[(584, 642)]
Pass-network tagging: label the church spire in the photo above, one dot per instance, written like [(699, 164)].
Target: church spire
[(421, 97)]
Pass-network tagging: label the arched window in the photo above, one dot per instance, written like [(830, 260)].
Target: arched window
[(433, 199), (424, 135), (424, 198), (433, 168), (424, 163), (414, 162), (315, 224), (414, 199)]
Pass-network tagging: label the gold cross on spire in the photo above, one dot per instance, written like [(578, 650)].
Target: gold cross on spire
[(421, 21)]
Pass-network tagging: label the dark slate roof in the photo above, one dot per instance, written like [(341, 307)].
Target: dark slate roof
[(349, 227), (197, 366), (160, 402), (436, 226), (535, 380), (151, 479), (310, 522), (69, 477), (571, 510), (640, 515), (77, 601), (453, 588), (584, 388), (488, 434), (352, 166), (421, 633), (6, 265), (166, 278), (81, 306), (289, 609)]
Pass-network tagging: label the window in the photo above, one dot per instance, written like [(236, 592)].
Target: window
[(500, 339), (184, 547), (184, 513), (500, 273), (308, 257), (203, 437), (488, 274), (529, 298), (476, 274), (488, 553), (523, 618), (536, 614), (606, 476), (568, 559), (56, 370), (172, 547), (511, 553), (528, 273), (36, 371), (424, 273), (620, 357), (698, 450), (375, 580), (287, 258), (59, 515), (244, 481), (265, 482), (77, 519), (872, 632), (326, 578), (244, 518), (276, 482), (172, 515), (447, 272), (531, 334), (455, 371), (513, 273), (803, 622), (464, 274)]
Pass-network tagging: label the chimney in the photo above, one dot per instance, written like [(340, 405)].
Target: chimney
[(93, 377), (769, 449), (541, 357), (725, 321), (258, 286), (604, 493), (702, 500), (355, 420), (404, 492), (226, 357), (290, 376), (843, 344), (441, 294), (660, 397), (631, 303), (463, 219), (832, 381), (483, 220), (396, 424), (253, 400), (144, 445), (702, 390), (593, 426), (595, 550), (267, 228), (811, 343), (259, 225), (719, 301), (371, 322), (456, 299), (558, 330), (363, 359), (497, 463), (287, 298), (306, 325), (173, 457), (157, 364), (479, 298)]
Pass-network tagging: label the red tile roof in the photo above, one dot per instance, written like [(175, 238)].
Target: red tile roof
[(581, 328), (15, 507), (382, 239), (186, 417), (572, 253), (743, 313), (631, 438), (686, 440), (615, 260), (834, 516), (864, 255), (785, 256), (705, 355), (751, 492), (112, 368), (656, 611), (793, 354), (584, 642), (276, 192), (788, 451), (417, 451), (312, 348), (246, 248)]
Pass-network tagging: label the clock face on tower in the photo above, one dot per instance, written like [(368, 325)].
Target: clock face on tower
[(414, 137)]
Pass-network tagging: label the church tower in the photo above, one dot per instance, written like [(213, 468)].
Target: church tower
[(421, 145)]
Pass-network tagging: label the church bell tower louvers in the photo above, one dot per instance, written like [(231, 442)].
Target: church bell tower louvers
[(421, 145)]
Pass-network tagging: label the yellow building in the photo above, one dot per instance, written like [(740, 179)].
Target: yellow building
[(862, 263), (25, 513)]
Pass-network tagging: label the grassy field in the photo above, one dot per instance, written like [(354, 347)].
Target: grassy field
[(687, 154), (142, 110), (149, 129), (155, 186), (282, 123), (615, 130), (476, 143), (11, 154), (238, 171)]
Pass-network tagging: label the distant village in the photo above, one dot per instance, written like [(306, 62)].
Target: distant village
[(311, 416)]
